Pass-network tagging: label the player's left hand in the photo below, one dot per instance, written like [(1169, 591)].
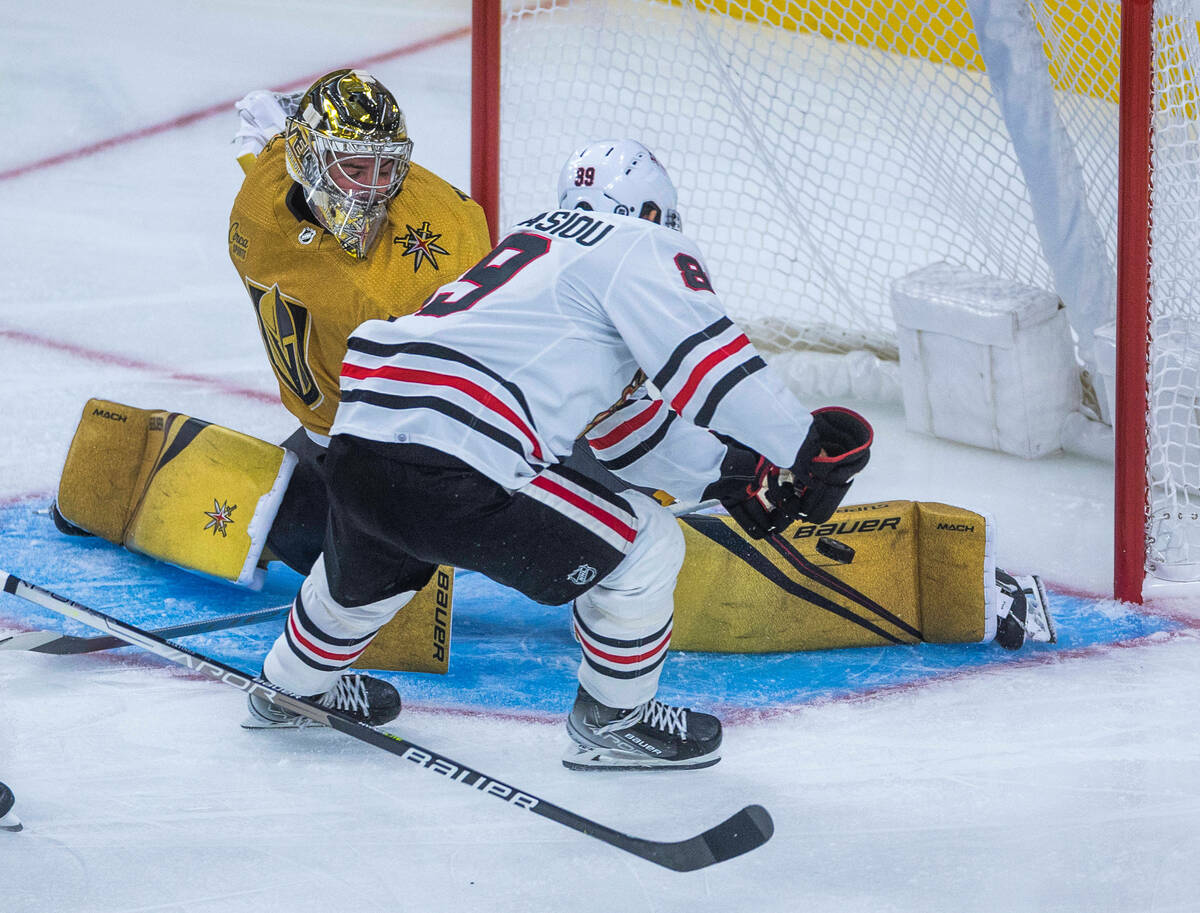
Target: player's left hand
[(836, 449)]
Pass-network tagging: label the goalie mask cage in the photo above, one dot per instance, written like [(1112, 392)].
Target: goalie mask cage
[(825, 148)]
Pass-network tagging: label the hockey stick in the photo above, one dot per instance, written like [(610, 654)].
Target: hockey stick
[(738, 834), (66, 644)]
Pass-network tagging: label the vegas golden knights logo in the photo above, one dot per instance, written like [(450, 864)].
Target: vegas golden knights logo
[(284, 325)]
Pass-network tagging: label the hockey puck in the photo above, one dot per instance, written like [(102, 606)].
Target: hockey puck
[(835, 550)]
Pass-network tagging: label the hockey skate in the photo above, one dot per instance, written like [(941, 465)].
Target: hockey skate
[(8, 818), (369, 700), (63, 525), (652, 735), (1023, 612)]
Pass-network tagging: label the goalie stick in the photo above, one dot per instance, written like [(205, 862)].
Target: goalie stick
[(744, 831), (67, 644)]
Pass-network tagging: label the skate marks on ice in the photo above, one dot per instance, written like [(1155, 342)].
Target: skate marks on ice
[(514, 657)]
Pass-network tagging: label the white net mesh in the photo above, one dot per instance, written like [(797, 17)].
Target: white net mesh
[(1174, 425), (824, 149), (811, 171)]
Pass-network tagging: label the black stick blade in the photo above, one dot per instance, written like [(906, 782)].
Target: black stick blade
[(747, 830)]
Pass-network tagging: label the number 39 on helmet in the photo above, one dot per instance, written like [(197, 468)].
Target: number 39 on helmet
[(620, 176)]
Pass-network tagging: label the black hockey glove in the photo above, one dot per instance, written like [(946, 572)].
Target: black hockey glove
[(752, 490), (837, 447)]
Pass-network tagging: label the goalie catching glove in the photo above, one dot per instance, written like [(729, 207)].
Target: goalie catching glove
[(765, 499)]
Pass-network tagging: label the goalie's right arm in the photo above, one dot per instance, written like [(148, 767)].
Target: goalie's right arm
[(262, 115)]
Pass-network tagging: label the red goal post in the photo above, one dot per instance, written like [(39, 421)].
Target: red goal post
[(826, 148)]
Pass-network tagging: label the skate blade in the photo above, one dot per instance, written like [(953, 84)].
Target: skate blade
[(580, 757), (11, 822), (300, 722), (1047, 632), (1046, 609)]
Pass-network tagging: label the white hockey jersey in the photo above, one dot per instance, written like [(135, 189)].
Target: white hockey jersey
[(645, 443), (505, 367)]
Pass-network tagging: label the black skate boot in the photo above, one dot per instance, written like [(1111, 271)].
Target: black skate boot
[(1023, 614), (652, 735), (369, 700), (8, 818)]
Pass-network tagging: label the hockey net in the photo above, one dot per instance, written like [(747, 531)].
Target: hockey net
[(823, 150)]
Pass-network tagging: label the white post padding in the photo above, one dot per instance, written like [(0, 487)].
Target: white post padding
[(985, 361)]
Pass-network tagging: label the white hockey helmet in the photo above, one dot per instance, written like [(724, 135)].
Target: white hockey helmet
[(620, 176)]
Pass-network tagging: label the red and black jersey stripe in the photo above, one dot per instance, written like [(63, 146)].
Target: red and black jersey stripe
[(713, 360), (428, 376)]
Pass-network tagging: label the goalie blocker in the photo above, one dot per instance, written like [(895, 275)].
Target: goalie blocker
[(203, 498)]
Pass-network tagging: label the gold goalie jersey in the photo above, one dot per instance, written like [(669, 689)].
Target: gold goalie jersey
[(308, 294)]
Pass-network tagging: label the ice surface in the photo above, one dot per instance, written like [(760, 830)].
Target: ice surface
[(1068, 783)]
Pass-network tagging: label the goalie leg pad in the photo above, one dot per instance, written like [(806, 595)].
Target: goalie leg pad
[(417, 639), (211, 495), (99, 487), (877, 574), (193, 494)]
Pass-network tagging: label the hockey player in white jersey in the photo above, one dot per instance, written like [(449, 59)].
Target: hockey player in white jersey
[(453, 422)]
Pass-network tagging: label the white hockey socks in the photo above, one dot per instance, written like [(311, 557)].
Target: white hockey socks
[(321, 637), (624, 622)]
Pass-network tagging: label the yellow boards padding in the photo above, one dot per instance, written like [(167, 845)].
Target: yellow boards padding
[(1080, 38), (875, 574), (418, 638)]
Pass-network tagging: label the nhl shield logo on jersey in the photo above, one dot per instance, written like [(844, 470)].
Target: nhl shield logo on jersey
[(219, 517), (582, 575), (421, 244), (284, 324)]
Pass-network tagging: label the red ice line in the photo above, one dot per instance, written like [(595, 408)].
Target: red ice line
[(124, 361), (222, 107), (182, 121)]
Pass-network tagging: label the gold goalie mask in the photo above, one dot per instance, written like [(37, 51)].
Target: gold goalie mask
[(348, 148)]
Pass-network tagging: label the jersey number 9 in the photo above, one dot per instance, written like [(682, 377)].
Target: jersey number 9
[(513, 254)]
